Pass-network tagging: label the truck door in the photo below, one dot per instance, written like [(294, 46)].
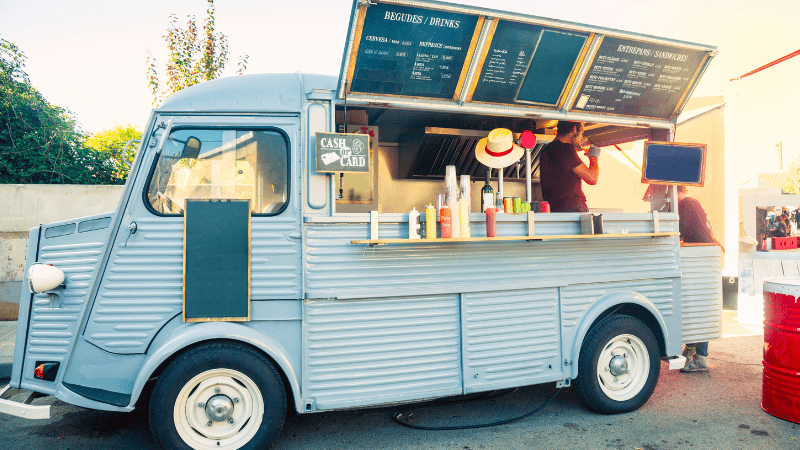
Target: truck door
[(201, 158)]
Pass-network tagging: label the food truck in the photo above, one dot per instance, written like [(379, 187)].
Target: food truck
[(261, 256)]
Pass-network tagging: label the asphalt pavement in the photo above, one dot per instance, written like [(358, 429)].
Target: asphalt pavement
[(8, 331), (719, 409)]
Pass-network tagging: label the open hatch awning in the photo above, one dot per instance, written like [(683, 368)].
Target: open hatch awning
[(438, 56)]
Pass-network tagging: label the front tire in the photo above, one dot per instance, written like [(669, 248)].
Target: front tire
[(619, 365), (218, 396)]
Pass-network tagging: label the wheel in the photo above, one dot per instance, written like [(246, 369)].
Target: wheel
[(218, 396), (619, 365)]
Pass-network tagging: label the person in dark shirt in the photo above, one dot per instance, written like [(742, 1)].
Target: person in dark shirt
[(562, 171), (780, 227), (694, 227)]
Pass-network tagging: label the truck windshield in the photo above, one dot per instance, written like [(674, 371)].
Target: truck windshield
[(225, 164)]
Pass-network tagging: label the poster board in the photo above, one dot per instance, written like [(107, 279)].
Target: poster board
[(674, 163), (216, 260)]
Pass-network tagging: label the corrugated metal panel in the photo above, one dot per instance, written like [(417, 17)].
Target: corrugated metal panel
[(510, 338), (53, 325), (701, 294), (142, 287), (424, 269), (364, 352), (275, 259), (576, 299)]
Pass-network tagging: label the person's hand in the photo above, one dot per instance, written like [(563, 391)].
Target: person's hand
[(593, 152)]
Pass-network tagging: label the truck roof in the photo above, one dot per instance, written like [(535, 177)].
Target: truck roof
[(280, 92)]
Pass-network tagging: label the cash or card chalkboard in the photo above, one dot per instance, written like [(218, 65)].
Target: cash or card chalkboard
[(527, 63), (634, 78), (216, 260), (412, 52), (342, 152), (674, 163)]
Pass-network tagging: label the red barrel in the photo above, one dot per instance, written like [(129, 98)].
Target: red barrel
[(780, 395)]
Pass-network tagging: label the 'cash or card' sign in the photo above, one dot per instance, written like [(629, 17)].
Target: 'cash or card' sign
[(342, 152)]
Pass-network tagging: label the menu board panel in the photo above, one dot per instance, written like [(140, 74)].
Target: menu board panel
[(527, 63), (634, 78), (411, 52)]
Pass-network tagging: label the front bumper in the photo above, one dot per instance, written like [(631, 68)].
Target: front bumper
[(24, 409)]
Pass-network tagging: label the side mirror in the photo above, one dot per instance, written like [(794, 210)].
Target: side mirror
[(191, 149)]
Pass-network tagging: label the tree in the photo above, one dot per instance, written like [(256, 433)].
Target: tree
[(41, 143), (38, 141), (192, 60), (791, 178), (107, 146)]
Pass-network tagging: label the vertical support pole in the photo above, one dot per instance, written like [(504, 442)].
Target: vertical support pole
[(373, 225), (528, 175), (530, 224), (500, 189), (673, 189)]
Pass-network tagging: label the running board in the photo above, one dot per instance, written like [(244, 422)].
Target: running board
[(23, 410)]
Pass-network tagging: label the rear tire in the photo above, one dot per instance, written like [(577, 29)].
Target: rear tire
[(619, 365), (218, 396)]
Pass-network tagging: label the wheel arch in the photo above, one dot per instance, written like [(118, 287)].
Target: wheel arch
[(625, 303), (187, 337)]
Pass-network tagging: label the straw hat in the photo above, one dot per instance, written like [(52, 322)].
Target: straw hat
[(498, 150)]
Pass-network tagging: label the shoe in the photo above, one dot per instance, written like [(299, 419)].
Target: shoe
[(688, 353), (698, 363)]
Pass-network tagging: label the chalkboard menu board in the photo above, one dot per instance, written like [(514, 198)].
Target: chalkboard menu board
[(674, 163), (411, 52), (633, 78), (216, 264), (527, 64)]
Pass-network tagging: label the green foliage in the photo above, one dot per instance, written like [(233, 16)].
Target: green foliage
[(41, 143), (192, 59), (791, 178), (107, 147)]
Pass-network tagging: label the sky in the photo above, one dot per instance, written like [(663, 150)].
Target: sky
[(90, 56)]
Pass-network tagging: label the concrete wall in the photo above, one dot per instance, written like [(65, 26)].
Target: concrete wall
[(25, 206)]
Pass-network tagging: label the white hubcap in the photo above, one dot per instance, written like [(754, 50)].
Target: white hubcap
[(218, 409), (623, 367)]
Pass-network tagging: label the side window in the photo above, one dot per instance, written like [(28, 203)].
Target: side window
[(221, 164)]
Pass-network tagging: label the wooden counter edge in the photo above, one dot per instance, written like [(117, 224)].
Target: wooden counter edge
[(512, 238)]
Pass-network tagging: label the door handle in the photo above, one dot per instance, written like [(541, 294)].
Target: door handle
[(294, 236), (132, 229)]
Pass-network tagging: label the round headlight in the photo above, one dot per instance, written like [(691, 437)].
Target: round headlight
[(44, 277)]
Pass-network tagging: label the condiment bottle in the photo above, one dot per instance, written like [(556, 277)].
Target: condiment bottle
[(491, 222), (413, 224), (430, 222), (445, 222)]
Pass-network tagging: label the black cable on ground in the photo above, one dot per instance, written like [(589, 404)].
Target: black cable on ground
[(396, 416)]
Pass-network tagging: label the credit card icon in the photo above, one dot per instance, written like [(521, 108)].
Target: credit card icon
[(329, 158)]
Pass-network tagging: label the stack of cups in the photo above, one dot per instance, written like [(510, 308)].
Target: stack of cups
[(464, 205), (451, 197)]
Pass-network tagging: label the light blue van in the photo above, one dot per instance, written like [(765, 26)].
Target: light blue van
[(336, 316)]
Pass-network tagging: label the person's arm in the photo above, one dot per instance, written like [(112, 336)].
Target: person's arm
[(588, 174)]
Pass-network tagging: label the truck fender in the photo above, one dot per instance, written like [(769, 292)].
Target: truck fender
[(185, 336), (597, 308)]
